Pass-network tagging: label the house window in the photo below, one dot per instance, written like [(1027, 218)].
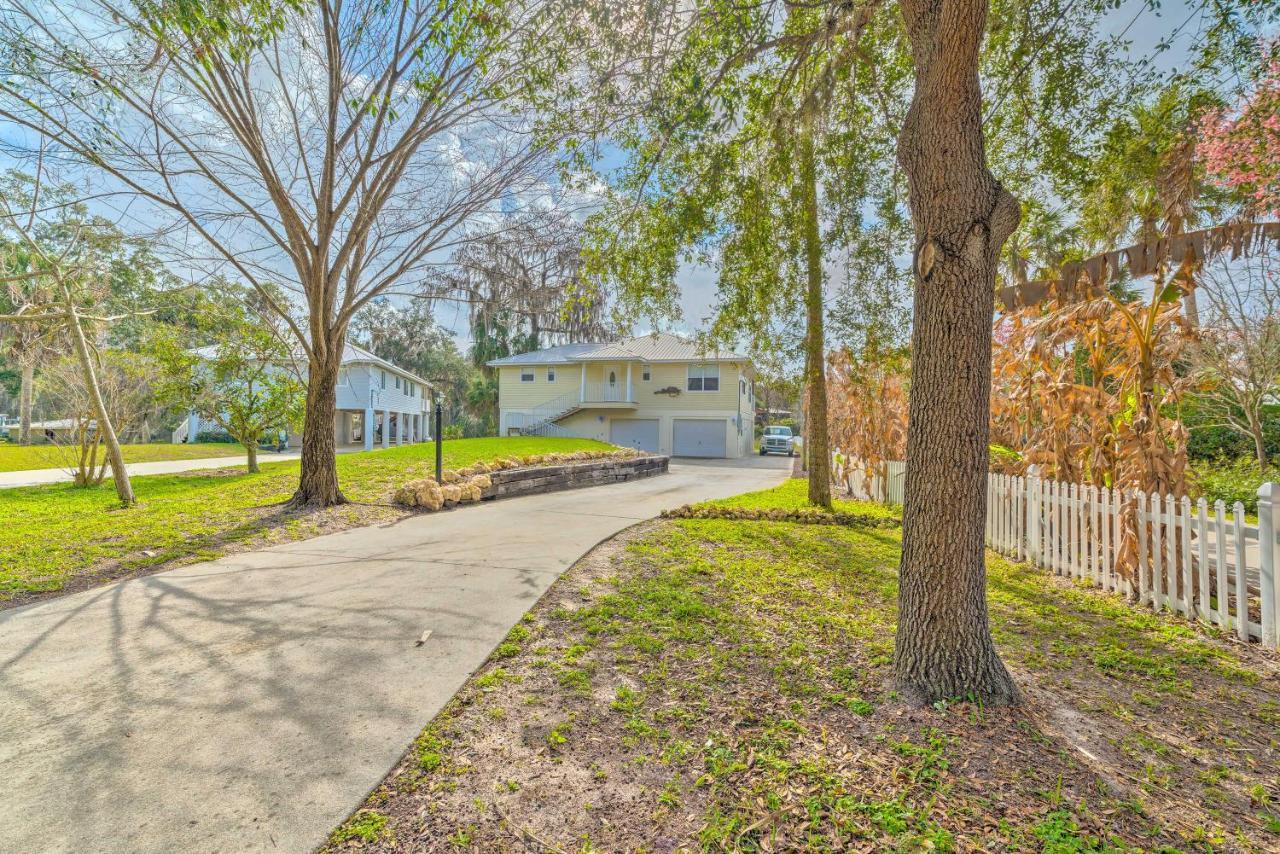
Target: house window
[(644, 373), (551, 375), (397, 383), (742, 387), (413, 389), (384, 379), (526, 375), (704, 378)]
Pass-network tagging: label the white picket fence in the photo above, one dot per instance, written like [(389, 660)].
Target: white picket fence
[(1192, 558)]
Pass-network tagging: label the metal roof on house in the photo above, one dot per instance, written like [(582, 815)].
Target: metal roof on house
[(663, 347), (561, 355)]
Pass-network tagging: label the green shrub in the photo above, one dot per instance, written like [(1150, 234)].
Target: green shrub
[(1233, 481)]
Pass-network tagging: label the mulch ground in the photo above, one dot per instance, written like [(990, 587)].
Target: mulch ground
[(723, 685)]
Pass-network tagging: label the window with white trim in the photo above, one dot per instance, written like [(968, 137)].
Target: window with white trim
[(703, 378), (384, 379), (551, 375), (397, 383), (644, 373), (526, 375)]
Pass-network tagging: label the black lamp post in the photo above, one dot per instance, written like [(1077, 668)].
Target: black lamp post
[(439, 431)]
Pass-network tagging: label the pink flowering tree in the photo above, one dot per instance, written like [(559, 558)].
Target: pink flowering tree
[(1240, 148)]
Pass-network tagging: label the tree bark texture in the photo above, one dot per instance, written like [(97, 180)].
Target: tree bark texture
[(25, 394), (818, 447), (318, 479), (961, 217), (119, 474), (1259, 442), (251, 454)]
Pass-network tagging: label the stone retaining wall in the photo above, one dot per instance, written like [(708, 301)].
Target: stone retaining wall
[(527, 481)]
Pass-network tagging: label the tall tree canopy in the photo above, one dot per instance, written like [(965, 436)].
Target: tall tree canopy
[(334, 148)]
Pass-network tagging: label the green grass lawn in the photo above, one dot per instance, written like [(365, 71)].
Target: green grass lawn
[(52, 534), (32, 457), (727, 686)]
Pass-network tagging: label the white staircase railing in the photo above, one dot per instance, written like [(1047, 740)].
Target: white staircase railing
[(540, 420)]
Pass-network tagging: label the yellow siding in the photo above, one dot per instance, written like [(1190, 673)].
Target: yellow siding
[(515, 395), (594, 422), (676, 374)]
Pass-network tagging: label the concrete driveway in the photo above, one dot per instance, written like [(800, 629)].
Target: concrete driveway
[(249, 703)]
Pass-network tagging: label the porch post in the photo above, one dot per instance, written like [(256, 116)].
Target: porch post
[(402, 429), (629, 397), (413, 426), (193, 427), (582, 387), (367, 428), (386, 428)]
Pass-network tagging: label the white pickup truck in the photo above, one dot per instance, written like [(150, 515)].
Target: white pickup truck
[(778, 440)]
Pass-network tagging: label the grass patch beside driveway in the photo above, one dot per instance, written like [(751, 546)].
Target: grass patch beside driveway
[(56, 537), (726, 685)]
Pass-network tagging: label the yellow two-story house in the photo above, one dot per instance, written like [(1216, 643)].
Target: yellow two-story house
[(656, 393)]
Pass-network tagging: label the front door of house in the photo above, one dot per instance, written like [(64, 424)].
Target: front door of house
[(611, 385)]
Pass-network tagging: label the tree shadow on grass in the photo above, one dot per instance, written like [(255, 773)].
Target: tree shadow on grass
[(257, 530)]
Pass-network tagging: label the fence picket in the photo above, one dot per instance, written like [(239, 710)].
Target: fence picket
[(1220, 553), (1242, 585), (1140, 499), (1095, 565), (1060, 526), (1158, 550), (1267, 510), (1202, 560), (1171, 553), (1108, 583), (1187, 602)]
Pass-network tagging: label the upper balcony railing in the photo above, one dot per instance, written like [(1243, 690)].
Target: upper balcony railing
[(605, 392)]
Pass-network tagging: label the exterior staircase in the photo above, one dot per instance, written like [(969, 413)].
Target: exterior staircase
[(541, 421)]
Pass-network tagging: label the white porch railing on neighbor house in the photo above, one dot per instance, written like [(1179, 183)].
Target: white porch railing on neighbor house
[(1195, 559)]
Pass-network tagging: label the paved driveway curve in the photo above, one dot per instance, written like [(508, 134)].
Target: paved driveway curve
[(249, 703)]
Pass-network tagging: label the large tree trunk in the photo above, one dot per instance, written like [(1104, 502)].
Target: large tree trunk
[(318, 480), (119, 474), (251, 455), (817, 448), (24, 401), (961, 216)]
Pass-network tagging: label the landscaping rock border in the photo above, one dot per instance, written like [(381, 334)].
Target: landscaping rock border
[(802, 517), (508, 477)]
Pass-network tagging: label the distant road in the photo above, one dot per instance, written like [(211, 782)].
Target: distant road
[(36, 477)]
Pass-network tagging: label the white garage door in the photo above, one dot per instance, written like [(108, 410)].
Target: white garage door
[(638, 433), (699, 438)]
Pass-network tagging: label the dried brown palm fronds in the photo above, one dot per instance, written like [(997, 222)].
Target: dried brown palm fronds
[(867, 410), (1082, 390)]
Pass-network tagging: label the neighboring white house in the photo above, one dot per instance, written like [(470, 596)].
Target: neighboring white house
[(656, 393), (378, 404), (58, 430)]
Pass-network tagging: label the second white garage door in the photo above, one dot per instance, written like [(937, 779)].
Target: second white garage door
[(638, 433), (700, 437)]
